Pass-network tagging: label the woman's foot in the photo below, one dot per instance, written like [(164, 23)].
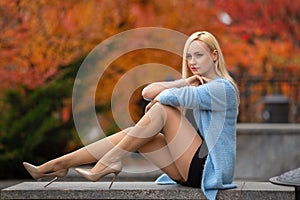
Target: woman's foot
[(114, 168), (36, 174)]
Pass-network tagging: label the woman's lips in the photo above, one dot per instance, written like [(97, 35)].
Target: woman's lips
[(194, 68)]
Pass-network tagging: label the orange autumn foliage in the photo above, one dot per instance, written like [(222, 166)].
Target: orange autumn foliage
[(36, 37), (268, 35)]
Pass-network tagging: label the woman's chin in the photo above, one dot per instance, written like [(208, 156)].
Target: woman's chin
[(196, 73)]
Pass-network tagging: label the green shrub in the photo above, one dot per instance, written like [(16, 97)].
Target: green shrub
[(31, 124)]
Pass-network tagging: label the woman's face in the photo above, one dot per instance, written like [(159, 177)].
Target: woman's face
[(201, 60)]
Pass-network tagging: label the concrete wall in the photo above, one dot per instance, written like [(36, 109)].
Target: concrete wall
[(266, 150)]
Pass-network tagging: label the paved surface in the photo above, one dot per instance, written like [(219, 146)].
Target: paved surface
[(140, 190), (8, 183)]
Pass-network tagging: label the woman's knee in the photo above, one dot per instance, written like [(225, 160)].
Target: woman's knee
[(166, 108)]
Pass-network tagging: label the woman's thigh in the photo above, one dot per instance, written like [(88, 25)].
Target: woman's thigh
[(180, 141), (157, 152)]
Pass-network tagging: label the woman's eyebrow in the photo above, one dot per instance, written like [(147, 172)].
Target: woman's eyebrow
[(199, 52), (196, 52)]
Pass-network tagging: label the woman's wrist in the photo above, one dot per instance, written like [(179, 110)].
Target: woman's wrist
[(181, 82)]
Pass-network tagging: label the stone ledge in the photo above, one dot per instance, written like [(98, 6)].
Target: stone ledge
[(266, 150), (268, 128), (140, 190)]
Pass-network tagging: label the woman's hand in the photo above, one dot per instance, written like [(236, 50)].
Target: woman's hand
[(155, 100), (196, 80)]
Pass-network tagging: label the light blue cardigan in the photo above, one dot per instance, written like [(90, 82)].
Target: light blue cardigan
[(215, 108)]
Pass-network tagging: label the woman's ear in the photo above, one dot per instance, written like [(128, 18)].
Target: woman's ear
[(215, 55)]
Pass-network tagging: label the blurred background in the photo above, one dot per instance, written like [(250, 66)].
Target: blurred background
[(43, 43)]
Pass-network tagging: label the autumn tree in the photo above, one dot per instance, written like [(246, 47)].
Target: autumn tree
[(268, 35), (259, 39), (264, 47), (39, 36)]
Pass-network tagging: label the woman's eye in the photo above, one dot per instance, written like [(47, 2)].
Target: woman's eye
[(197, 55)]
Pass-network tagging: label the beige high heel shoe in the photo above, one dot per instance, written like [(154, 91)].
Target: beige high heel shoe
[(33, 171), (114, 168)]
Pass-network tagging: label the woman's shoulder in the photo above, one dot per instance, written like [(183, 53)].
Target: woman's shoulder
[(227, 84), (221, 79)]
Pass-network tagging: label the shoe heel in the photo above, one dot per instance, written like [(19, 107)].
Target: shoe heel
[(112, 181), (55, 179)]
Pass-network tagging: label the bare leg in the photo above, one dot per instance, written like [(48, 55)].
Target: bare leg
[(157, 152), (85, 155), (181, 139)]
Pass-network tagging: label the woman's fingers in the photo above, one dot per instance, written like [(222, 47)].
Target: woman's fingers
[(201, 80), (206, 80), (149, 105), (194, 80)]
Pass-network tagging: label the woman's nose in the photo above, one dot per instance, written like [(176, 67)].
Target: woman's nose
[(192, 61)]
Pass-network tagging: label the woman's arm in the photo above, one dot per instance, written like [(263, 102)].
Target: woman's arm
[(153, 89), (217, 95), (158, 87)]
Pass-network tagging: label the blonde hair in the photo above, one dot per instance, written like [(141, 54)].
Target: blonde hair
[(213, 45)]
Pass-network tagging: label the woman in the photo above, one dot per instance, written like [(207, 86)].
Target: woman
[(197, 158)]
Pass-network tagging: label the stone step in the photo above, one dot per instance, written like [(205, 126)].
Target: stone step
[(141, 190)]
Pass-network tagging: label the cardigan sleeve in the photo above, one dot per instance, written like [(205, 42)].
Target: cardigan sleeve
[(210, 96)]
